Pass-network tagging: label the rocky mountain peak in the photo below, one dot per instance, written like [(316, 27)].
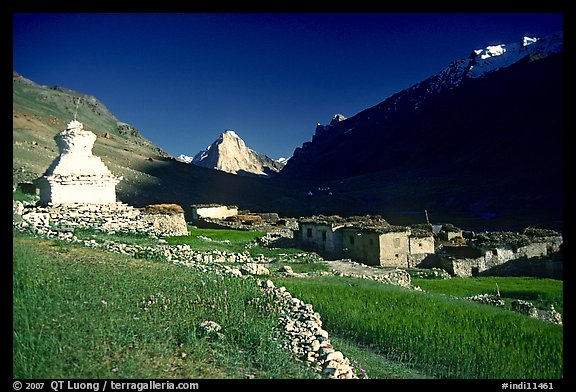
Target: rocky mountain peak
[(229, 153)]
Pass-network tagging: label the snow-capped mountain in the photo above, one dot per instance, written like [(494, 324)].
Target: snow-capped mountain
[(229, 153), (480, 63), (184, 158)]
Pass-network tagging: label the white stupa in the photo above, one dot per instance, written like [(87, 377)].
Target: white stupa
[(77, 176)]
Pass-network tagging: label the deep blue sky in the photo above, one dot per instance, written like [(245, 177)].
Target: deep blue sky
[(182, 79)]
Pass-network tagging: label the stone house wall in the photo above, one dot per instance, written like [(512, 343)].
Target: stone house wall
[(421, 245), (420, 249), (361, 246), (504, 254), (394, 249), (325, 238), (463, 267), (376, 248)]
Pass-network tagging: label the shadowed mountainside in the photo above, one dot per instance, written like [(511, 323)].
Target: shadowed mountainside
[(490, 150)]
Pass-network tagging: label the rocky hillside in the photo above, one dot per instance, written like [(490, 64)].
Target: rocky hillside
[(230, 154)]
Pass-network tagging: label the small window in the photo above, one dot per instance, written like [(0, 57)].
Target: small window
[(309, 233), (352, 240), (324, 236)]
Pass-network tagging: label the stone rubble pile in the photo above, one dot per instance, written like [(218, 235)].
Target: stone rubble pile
[(432, 273), (529, 309), (305, 337), (397, 277), (520, 306), (487, 299)]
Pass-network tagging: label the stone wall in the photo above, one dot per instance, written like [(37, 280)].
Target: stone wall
[(540, 267), (421, 245), (167, 219), (110, 217), (463, 267)]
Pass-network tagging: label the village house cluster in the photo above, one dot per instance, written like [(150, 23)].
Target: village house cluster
[(371, 240)]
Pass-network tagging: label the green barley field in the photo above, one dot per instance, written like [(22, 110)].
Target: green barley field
[(438, 334)]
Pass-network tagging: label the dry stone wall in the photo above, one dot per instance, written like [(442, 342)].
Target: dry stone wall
[(305, 337), (167, 219), (108, 217)]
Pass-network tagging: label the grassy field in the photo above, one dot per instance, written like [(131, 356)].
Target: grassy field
[(438, 335), (83, 313), (388, 331)]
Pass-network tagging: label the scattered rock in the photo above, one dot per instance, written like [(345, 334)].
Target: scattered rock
[(286, 269), (487, 299), (17, 207), (209, 329), (529, 309), (254, 269)]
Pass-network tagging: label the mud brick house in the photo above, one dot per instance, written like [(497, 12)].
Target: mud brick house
[(366, 239), (322, 234), (386, 246), (505, 253)]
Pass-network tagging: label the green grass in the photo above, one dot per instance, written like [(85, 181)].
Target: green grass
[(541, 292), (229, 240), (123, 237), (18, 195), (38, 100), (369, 360), (83, 313), (438, 335)]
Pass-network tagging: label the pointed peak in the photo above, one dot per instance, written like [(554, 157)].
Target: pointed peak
[(230, 133)]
